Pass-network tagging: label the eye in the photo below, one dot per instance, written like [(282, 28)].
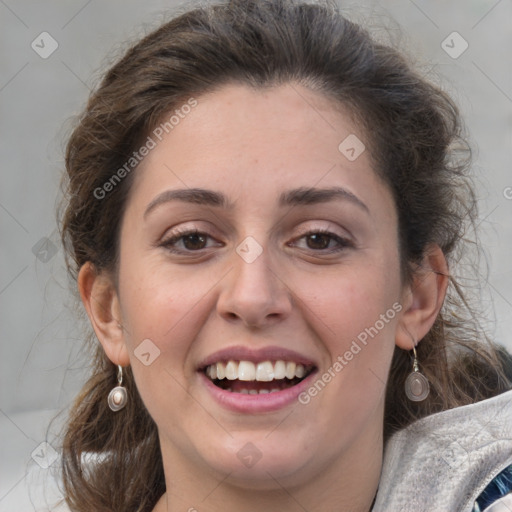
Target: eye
[(323, 240), (187, 241)]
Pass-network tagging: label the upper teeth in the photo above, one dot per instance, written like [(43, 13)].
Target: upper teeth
[(265, 371)]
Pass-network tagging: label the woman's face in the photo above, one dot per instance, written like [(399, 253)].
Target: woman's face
[(294, 268)]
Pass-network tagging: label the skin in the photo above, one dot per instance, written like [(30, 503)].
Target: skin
[(252, 145)]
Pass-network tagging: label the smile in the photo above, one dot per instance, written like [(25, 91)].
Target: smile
[(247, 377), (243, 379)]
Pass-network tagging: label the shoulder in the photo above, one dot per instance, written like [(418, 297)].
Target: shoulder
[(446, 460)]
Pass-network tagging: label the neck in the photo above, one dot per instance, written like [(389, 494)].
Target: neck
[(348, 482)]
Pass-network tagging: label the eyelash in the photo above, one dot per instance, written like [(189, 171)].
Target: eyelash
[(169, 243), (343, 243)]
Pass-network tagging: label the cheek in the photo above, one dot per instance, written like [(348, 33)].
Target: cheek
[(355, 320), (354, 314), (165, 305), (162, 315), (348, 302)]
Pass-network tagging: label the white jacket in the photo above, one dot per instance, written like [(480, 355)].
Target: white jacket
[(442, 463)]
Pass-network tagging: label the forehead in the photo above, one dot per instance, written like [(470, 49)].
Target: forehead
[(261, 141)]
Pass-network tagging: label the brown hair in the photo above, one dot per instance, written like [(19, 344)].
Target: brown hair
[(415, 140)]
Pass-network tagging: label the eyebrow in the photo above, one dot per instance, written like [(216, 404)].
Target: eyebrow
[(306, 196), (190, 195), (294, 197)]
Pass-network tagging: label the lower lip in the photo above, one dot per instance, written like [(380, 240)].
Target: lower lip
[(266, 402)]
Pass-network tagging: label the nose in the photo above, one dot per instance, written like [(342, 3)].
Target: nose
[(254, 293)]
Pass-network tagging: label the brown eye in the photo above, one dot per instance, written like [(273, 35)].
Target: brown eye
[(188, 242), (322, 242), (319, 241), (194, 241)]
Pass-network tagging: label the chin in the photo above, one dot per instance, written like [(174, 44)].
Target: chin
[(254, 462)]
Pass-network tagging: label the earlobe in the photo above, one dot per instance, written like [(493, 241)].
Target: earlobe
[(101, 302), (423, 299)]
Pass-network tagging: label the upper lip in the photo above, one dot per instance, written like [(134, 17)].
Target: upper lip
[(242, 353)]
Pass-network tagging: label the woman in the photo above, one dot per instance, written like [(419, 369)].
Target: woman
[(264, 208)]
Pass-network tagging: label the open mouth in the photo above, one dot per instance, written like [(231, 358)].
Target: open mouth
[(251, 378)]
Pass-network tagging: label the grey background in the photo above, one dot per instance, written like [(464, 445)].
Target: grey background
[(40, 365)]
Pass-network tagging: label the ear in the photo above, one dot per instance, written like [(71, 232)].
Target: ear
[(423, 298), (101, 302)]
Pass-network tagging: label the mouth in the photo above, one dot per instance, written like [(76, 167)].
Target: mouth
[(257, 378)]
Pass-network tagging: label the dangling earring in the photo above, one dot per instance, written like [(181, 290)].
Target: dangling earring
[(416, 384), (118, 397)]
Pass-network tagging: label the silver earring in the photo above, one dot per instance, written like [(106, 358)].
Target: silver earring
[(416, 384), (118, 397)]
